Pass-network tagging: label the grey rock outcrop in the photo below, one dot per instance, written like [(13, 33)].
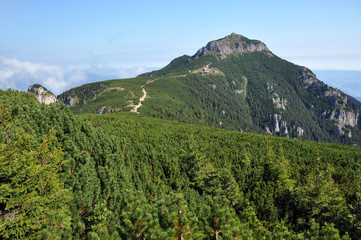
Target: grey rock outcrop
[(279, 102), (42, 94), (337, 99), (338, 131), (349, 134), (341, 131), (346, 118), (276, 125), (283, 127), (233, 43), (337, 103), (69, 101), (300, 131), (268, 131), (104, 110), (333, 93), (311, 80)]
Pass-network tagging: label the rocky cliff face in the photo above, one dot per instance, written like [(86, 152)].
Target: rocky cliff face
[(337, 102), (337, 99), (276, 125), (233, 43), (341, 131), (344, 119), (42, 94)]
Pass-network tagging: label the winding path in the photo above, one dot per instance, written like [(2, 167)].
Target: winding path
[(142, 98)]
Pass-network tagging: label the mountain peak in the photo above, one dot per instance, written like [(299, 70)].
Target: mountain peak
[(233, 43)]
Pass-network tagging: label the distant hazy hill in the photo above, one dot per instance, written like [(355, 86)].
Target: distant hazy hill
[(233, 83)]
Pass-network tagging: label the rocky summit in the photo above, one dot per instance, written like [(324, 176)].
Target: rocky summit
[(233, 43)]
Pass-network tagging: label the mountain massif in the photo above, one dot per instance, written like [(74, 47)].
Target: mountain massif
[(232, 83), (136, 173)]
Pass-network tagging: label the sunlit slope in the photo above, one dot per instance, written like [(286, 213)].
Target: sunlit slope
[(128, 175), (231, 83)]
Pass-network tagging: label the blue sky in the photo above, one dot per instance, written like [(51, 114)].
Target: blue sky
[(62, 44)]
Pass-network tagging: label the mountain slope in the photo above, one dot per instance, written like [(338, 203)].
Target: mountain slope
[(130, 176), (233, 83)]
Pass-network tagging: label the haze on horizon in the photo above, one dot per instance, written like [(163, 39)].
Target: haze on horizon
[(68, 43)]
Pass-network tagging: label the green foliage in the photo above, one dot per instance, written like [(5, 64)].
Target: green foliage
[(136, 177), (138, 217), (117, 95), (223, 221), (32, 198), (238, 97)]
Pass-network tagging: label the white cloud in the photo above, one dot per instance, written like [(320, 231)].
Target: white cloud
[(32, 68), (133, 72), (19, 75)]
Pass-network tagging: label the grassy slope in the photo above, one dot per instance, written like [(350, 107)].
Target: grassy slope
[(116, 94), (233, 98)]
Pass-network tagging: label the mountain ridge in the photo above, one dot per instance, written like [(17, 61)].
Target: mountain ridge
[(233, 83)]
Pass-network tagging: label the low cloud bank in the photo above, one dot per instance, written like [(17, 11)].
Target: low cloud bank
[(18, 75)]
